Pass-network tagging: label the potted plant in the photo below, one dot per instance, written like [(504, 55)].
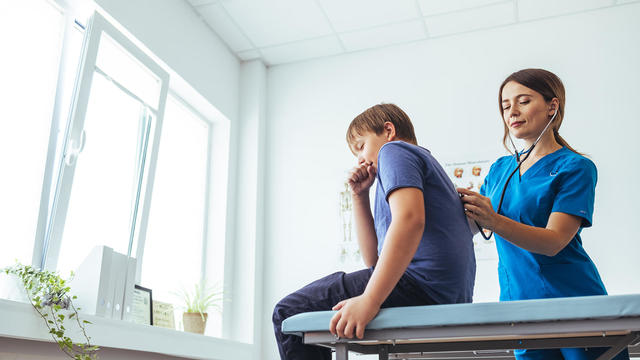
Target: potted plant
[(196, 303), (50, 297)]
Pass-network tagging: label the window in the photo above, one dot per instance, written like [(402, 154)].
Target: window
[(80, 125), (27, 92), (103, 193), (176, 233)]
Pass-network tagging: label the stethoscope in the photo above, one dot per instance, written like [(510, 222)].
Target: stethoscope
[(519, 161)]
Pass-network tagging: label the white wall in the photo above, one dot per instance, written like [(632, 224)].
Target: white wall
[(173, 32), (449, 87)]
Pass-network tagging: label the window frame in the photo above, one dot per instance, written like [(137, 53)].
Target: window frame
[(74, 138), (219, 217)]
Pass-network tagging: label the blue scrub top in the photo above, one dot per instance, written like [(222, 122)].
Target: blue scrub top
[(562, 181)]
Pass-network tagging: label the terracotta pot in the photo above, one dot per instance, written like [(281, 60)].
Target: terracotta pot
[(193, 322)]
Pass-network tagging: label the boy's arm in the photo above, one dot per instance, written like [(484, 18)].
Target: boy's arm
[(360, 180), (402, 240), (365, 230)]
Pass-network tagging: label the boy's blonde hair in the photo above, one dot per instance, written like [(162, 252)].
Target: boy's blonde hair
[(373, 119)]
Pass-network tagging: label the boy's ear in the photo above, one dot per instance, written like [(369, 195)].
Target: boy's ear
[(389, 131)]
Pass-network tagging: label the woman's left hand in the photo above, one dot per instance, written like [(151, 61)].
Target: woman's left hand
[(478, 208)]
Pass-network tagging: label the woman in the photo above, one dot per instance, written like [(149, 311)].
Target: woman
[(548, 198)]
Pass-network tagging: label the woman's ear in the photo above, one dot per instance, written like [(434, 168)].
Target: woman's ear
[(390, 131), (554, 105)]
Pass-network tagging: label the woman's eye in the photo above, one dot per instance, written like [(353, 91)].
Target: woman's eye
[(524, 102), (506, 108)]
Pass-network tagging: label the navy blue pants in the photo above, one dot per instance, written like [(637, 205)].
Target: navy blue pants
[(322, 295)]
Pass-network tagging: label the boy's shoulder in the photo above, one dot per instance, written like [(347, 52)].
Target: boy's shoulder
[(400, 146), (402, 156)]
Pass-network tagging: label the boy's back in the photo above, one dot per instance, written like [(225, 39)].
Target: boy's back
[(444, 263)]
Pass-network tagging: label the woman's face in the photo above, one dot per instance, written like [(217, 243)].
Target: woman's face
[(525, 112)]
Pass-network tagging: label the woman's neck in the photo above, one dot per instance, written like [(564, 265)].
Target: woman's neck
[(545, 146)]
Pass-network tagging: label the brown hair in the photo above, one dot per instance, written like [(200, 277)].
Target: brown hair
[(546, 84), (373, 119)]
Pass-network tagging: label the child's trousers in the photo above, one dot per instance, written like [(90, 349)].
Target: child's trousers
[(322, 295)]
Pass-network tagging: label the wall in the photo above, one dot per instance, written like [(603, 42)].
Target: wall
[(174, 33), (40, 350), (449, 88)]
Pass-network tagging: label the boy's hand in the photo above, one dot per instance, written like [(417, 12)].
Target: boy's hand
[(361, 178), (353, 316)]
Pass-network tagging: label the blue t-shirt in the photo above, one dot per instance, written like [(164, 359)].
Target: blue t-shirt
[(444, 264), (562, 181)]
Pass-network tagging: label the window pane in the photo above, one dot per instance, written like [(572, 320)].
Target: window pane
[(126, 70), (29, 70), (173, 246), (73, 47), (105, 180)]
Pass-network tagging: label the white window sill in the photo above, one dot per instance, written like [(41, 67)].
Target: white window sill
[(19, 320)]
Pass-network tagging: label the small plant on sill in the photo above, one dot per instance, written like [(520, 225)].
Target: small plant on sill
[(197, 303), (49, 295)]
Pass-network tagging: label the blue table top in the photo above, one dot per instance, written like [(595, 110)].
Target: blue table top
[(574, 308)]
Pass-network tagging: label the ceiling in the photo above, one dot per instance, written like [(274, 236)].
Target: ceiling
[(285, 31)]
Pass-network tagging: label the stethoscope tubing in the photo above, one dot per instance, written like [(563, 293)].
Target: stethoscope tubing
[(520, 161)]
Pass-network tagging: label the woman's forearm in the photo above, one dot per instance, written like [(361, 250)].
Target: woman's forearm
[(535, 239)]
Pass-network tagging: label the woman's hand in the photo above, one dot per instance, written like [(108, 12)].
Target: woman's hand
[(361, 178), (353, 316), (478, 208)]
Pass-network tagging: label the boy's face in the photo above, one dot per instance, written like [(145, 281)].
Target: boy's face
[(366, 147)]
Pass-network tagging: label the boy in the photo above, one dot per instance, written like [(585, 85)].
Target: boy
[(417, 248)]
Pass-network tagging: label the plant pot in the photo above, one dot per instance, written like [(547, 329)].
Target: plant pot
[(193, 322)]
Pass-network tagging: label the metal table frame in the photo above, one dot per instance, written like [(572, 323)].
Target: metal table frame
[(493, 341)]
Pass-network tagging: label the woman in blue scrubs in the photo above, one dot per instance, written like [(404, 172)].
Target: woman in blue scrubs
[(546, 204)]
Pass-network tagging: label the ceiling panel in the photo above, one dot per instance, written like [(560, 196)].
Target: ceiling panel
[(216, 16), (272, 22), (203, 2), (349, 15), (384, 35), (249, 55), (479, 18), (302, 50), (432, 7), (284, 31), (536, 9)]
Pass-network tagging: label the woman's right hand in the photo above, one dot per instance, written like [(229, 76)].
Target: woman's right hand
[(361, 178)]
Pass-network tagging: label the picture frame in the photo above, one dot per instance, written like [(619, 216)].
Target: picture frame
[(142, 305)]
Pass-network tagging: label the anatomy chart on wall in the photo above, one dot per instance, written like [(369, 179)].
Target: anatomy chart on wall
[(470, 175)]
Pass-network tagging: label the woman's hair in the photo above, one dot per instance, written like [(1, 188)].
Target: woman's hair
[(546, 84), (373, 119)]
